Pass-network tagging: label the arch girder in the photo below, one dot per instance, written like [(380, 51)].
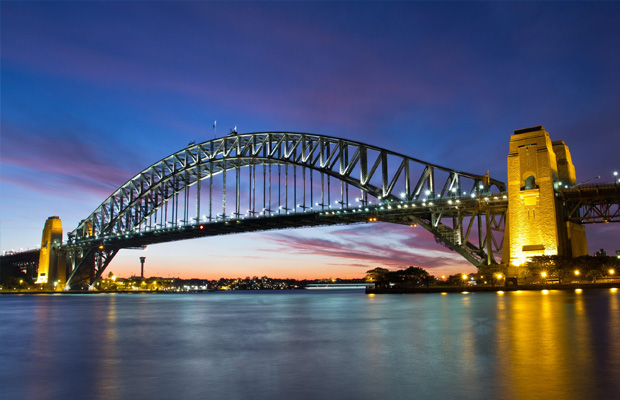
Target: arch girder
[(172, 175)]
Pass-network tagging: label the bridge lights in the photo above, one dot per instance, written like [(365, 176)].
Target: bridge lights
[(577, 272), (543, 274), (100, 247), (611, 272), (402, 195)]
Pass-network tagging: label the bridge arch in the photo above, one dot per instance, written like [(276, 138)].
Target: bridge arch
[(176, 191), (380, 174)]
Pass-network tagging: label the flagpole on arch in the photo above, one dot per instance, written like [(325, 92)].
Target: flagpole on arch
[(214, 129)]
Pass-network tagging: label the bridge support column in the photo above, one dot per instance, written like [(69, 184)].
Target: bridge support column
[(536, 225), (52, 265)]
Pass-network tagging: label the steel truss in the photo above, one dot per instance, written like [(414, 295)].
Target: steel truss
[(255, 176), (591, 204), (88, 263), (473, 227)]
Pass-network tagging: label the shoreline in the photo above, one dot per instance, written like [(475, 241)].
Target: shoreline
[(488, 289)]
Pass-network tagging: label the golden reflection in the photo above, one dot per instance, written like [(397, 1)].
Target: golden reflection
[(545, 291), (578, 291), (443, 293), (539, 336), (500, 292), (613, 290), (614, 322)]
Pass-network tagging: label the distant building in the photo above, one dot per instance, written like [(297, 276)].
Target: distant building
[(601, 253)]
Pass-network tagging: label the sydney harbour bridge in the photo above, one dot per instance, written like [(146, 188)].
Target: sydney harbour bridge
[(247, 182)]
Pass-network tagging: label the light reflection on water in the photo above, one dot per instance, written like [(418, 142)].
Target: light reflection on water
[(310, 345)]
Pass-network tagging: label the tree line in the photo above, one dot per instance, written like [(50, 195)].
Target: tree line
[(539, 269)]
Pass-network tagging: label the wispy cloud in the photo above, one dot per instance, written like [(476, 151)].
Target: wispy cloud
[(370, 245), (69, 164)]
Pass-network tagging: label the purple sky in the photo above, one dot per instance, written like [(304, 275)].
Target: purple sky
[(93, 93)]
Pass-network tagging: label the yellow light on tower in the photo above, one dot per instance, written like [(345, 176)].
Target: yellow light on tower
[(611, 271), (577, 272), (464, 277), (544, 274)]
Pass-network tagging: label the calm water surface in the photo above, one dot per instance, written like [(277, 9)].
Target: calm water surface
[(311, 345)]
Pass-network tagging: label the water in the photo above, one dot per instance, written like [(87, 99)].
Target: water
[(311, 345)]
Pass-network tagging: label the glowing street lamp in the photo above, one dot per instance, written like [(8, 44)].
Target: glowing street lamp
[(577, 272), (544, 274), (611, 271)]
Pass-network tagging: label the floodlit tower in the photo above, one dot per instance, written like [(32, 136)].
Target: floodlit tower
[(48, 259), (537, 168)]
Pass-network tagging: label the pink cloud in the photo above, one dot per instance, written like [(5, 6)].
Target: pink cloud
[(372, 245)]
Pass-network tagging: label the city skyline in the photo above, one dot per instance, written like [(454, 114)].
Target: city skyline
[(92, 93)]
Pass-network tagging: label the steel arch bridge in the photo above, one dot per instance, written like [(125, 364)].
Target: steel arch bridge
[(276, 180)]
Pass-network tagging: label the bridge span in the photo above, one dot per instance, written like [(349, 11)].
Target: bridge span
[(281, 180)]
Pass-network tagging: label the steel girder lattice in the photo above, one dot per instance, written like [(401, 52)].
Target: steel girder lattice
[(254, 176), (591, 204)]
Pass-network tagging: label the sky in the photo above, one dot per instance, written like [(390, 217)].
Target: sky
[(94, 92)]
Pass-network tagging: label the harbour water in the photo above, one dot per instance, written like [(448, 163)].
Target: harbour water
[(311, 345)]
